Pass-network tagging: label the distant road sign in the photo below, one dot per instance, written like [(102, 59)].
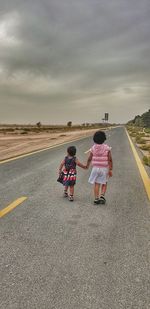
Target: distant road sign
[(106, 116)]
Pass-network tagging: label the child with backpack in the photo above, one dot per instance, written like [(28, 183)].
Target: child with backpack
[(67, 172)]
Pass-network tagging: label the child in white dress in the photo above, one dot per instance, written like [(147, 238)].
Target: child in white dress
[(100, 155)]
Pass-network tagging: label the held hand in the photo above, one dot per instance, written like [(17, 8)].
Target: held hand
[(85, 167)]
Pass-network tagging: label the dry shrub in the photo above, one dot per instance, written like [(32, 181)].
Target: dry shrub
[(146, 160)]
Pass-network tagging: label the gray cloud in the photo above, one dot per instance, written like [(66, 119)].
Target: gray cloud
[(74, 59)]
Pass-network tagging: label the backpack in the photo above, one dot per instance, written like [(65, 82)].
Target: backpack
[(70, 163)]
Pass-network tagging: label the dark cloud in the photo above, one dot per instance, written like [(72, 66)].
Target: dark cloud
[(61, 56)]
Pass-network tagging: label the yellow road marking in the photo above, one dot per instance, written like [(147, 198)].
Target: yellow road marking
[(144, 175), (41, 150), (10, 207)]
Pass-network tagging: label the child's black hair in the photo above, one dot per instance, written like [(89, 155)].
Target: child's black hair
[(99, 137), (71, 151)]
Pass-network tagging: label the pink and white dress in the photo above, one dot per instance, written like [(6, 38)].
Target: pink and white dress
[(100, 166)]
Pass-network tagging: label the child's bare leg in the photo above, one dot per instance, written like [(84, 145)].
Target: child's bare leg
[(96, 190), (71, 193), (72, 190), (65, 191), (104, 188), (103, 191)]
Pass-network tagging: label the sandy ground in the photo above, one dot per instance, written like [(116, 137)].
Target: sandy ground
[(13, 145)]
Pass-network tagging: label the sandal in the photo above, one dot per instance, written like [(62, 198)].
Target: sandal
[(102, 199), (97, 201), (71, 199), (65, 194)]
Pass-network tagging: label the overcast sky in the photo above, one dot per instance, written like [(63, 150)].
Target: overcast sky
[(74, 60)]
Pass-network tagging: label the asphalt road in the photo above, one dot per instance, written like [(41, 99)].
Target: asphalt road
[(55, 254)]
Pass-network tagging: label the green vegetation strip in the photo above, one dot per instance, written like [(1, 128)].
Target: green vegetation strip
[(140, 136)]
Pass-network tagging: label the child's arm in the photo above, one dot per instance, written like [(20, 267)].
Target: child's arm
[(61, 166), (89, 160), (80, 164), (110, 163)]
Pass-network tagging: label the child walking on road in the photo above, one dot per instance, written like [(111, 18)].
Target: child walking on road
[(67, 172), (100, 155)]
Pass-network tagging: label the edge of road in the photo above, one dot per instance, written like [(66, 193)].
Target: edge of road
[(43, 149), (142, 170)]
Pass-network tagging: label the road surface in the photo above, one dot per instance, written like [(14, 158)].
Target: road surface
[(55, 254)]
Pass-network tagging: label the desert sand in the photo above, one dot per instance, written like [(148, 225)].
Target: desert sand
[(12, 145)]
